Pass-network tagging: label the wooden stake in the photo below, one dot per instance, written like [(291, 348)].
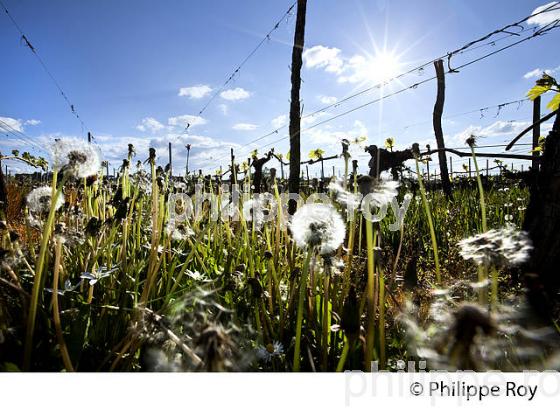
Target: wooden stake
[(170, 161), (295, 108), (438, 131)]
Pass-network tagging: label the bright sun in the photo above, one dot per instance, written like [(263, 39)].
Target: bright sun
[(383, 66)]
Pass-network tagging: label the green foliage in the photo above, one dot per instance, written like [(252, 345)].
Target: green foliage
[(390, 143), (554, 103), (316, 154), (545, 84)]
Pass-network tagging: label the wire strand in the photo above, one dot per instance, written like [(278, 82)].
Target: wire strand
[(29, 45), (247, 58)]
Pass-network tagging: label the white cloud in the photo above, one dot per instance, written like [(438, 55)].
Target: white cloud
[(204, 153), (307, 121), (279, 121), (224, 108), (496, 129), (504, 128), (325, 99), (186, 120), (235, 94), (10, 124), (323, 57), (150, 124), (282, 120), (538, 72), (546, 17), (325, 137), (195, 92), (355, 69), (32, 122), (244, 127)]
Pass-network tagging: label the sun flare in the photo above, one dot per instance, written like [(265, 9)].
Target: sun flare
[(383, 66)]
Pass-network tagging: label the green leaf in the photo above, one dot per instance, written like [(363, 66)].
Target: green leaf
[(10, 367), (537, 91), (316, 153), (389, 143), (554, 103), (536, 150)]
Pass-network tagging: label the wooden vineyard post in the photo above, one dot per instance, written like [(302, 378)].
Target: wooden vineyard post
[(170, 161), (438, 131), (233, 170), (295, 104), (3, 190)]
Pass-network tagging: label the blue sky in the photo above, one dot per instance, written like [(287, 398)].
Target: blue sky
[(139, 71)]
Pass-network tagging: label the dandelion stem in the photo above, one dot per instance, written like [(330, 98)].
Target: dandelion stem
[(299, 319), (37, 282), (343, 355), (370, 295), (56, 313), (325, 337), (430, 221), (480, 190), (484, 229), (381, 317)]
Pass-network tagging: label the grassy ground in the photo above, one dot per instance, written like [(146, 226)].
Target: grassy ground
[(225, 296)]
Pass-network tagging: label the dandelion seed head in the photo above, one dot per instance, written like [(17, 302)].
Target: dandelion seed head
[(318, 225), (39, 200), (271, 350), (77, 157), (498, 247), (254, 210), (349, 200), (381, 195), (179, 232)]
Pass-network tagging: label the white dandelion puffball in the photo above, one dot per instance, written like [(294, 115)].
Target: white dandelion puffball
[(506, 246), (254, 210), (383, 193), (343, 197), (318, 225), (179, 232), (77, 157), (39, 200)]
